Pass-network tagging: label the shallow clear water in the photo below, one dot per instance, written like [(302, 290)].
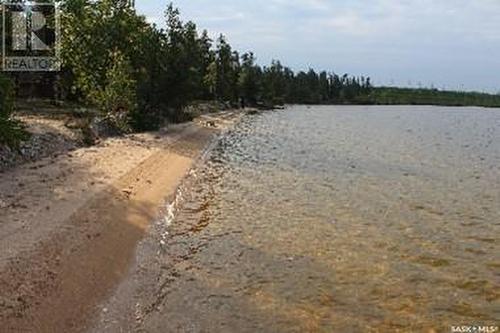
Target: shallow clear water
[(342, 218)]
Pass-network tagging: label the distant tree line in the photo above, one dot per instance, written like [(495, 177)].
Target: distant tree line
[(426, 96)]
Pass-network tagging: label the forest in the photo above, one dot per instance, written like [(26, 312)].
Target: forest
[(139, 74), (429, 96)]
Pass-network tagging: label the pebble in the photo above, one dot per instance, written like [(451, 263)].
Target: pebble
[(39, 145), (3, 204)]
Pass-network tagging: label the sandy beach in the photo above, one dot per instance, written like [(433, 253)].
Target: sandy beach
[(70, 224)]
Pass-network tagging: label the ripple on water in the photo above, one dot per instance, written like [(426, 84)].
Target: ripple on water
[(344, 219)]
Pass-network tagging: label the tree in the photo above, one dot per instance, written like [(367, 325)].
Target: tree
[(249, 81), (227, 64), (163, 70), (118, 99)]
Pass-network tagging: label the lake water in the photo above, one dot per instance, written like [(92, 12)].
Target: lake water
[(341, 219)]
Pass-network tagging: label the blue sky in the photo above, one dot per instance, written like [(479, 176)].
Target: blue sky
[(453, 44)]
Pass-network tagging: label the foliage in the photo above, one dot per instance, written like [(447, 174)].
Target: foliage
[(11, 131), (227, 71), (118, 98), (409, 96), (6, 97), (172, 67), (114, 60), (250, 79)]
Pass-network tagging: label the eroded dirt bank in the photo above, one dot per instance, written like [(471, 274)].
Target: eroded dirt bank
[(69, 225)]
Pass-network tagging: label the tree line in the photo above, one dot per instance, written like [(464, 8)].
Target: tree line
[(429, 96), (116, 61), (138, 74)]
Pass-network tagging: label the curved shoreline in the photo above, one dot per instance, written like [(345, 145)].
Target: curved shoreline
[(70, 234), (137, 295)]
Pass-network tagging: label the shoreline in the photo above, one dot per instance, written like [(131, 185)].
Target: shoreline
[(137, 295), (71, 225), (226, 266)]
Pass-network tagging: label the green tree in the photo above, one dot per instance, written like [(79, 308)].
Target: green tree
[(118, 98), (227, 64), (249, 81)]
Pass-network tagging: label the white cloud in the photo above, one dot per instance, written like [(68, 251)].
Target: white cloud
[(445, 40)]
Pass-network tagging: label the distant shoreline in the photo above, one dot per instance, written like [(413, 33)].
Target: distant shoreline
[(424, 96), (421, 96)]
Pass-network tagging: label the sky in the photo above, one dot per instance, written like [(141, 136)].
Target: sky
[(450, 44)]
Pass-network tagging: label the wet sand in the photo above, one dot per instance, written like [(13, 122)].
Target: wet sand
[(69, 226)]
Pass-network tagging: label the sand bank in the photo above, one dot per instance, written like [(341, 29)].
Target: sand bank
[(69, 225)]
